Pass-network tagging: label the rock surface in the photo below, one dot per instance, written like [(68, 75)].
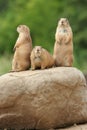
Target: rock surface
[(77, 127), (43, 99)]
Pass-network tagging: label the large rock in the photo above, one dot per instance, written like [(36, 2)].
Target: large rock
[(77, 127), (43, 99)]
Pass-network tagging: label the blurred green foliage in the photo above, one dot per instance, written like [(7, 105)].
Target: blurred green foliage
[(5, 64), (42, 16)]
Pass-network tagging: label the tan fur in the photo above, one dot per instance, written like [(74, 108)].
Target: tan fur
[(63, 48), (41, 58), (23, 48)]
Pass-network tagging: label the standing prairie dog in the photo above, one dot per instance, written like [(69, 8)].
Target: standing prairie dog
[(63, 48), (41, 58), (23, 48)]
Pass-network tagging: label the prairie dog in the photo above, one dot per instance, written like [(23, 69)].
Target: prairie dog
[(41, 58), (63, 48), (23, 48)]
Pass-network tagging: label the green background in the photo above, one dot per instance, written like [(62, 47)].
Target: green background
[(42, 16)]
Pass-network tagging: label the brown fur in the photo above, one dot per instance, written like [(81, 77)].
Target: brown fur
[(23, 48), (63, 48), (41, 58)]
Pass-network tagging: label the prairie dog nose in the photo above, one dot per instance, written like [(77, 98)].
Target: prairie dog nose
[(37, 50)]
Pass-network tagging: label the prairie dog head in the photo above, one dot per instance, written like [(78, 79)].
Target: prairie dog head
[(23, 29), (63, 22), (38, 51)]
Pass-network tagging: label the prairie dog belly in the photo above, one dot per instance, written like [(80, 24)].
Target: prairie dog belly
[(23, 51), (37, 61), (61, 35)]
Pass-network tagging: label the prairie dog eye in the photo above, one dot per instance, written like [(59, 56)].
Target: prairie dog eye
[(19, 26)]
